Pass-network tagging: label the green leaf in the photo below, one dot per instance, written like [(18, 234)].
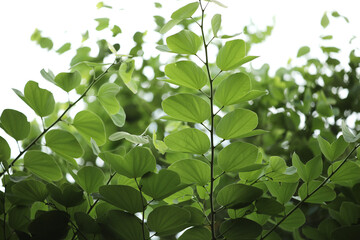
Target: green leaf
[(301, 170), (233, 89), (49, 75), (161, 185), (124, 225), (107, 97), (216, 24), (5, 151), (186, 107), (313, 168), (282, 191), (64, 48), (231, 55), (184, 42), (303, 51), (119, 118), (252, 94), (137, 139), (333, 151), (169, 25), (324, 194), (159, 145), (185, 12), (346, 232), (15, 124), (85, 223), (50, 225), (324, 20), (40, 100), (294, 221), (240, 228), (192, 171), (125, 71), (102, 23), (90, 178), (68, 81), (349, 136), (187, 74), (94, 147), (30, 190), (124, 197), (89, 126), (237, 156), (19, 218), (115, 30), (347, 172), (42, 165), (135, 164), (322, 105), (45, 42), (217, 3), (167, 220), (188, 140), (236, 123), (268, 206), (68, 195), (238, 195), (196, 233), (63, 143)]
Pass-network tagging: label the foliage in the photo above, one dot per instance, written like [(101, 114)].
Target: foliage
[(239, 154)]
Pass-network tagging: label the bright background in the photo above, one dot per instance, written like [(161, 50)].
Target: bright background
[(297, 23)]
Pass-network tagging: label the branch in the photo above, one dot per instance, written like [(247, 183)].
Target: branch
[(143, 209), (57, 120), (309, 195)]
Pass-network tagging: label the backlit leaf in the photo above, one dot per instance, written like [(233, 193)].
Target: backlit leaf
[(216, 24), (63, 143), (15, 124), (324, 194), (169, 25), (90, 178), (192, 171), (349, 136), (185, 11), (42, 165), (184, 42), (107, 97), (137, 139), (102, 23), (89, 126), (68, 81), (348, 172), (325, 20), (231, 55), (5, 150), (125, 71), (64, 48), (303, 51)]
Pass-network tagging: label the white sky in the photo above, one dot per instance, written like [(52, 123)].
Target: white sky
[(297, 24)]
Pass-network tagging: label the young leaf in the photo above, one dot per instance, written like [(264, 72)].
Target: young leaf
[(185, 12), (216, 24), (167, 220), (188, 140), (232, 89), (184, 42), (90, 178), (116, 30), (191, 171), (137, 139), (238, 195), (186, 107), (95, 148), (15, 124), (333, 151), (125, 71), (68, 81), (42, 165), (123, 197), (231, 55), (119, 118), (63, 143), (64, 48), (325, 148), (102, 23), (186, 73), (240, 228), (324, 20), (237, 156), (89, 126), (236, 123), (107, 97), (303, 51)]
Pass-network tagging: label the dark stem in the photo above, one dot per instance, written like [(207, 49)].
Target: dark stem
[(143, 209), (309, 195), (57, 120), (211, 195)]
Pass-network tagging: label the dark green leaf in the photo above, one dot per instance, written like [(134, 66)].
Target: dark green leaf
[(69, 195), (30, 190), (15, 124), (19, 218), (346, 232), (240, 228), (268, 206), (50, 225), (196, 233), (294, 221), (5, 151), (86, 223), (63, 143)]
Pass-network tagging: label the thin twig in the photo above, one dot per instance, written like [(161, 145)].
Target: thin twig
[(204, 93), (217, 75), (220, 142), (218, 110), (219, 175), (200, 59), (143, 209), (205, 127)]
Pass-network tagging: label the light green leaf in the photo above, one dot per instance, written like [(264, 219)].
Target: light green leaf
[(94, 147), (231, 55), (107, 97), (188, 140), (135, 164), (237, 156), (40, 100), (303, 51), (325, 20), (30, 190), (124, 197), (169, 25), (217, 3), (185, 12), (49, 75), (125, 71), (240, 228), (186, 73), (68, 81), (238, 195), (119, 118), (252, 94), (5, 151), (186, 107), (163, 48), (349, 172), (233, 89), (301, 170), (64, 143), (313, 168), (42, 165), (89, 126), (102, 23), (198, 233), (236, 123), (64, 48), (216, 24), (15, 124), (349, 136), (161, 185), (192, 171), (137, 139), (90, 178), (159, 145), (333, 151), (184, 42), (324, 194), (325, 148), (115, 30), (167, 220), (282, 191)]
